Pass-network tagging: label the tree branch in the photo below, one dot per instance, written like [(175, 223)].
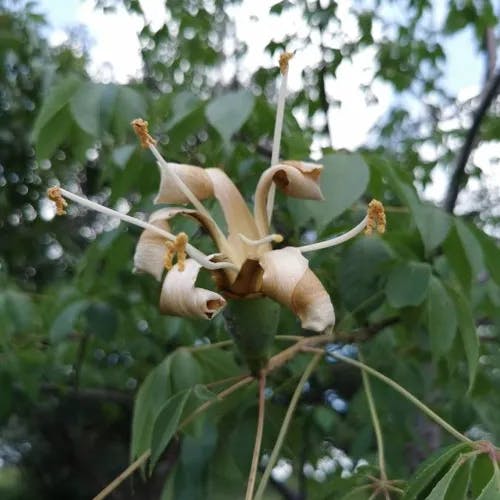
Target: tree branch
[(490, 91)]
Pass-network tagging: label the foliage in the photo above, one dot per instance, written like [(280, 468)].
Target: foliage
[(85, 355)]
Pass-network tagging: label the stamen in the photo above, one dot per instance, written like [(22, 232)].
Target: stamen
[(141, 129), (337, 240), (271, 238), (178, 247), (278, 126), (376, 217), (168, 260), (193, 252), (54, 194)]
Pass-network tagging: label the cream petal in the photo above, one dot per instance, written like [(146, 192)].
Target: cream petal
[(180, 297), (195, 178), (288, 280), (150, 251), (295, 178), (238, 217)]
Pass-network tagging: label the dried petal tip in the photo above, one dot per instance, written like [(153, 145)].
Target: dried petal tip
[(376, 217), (140, 127), (284, 59), (54, 194)]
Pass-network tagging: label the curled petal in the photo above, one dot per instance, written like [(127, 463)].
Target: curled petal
[(150, 251), (151, 248), (288, 280), (238, 217), (295, 178), (180, 297), (195, 178)]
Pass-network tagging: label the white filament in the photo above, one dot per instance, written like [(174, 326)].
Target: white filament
[(193, 252), (337, 240), (271, 238), (278, 127)]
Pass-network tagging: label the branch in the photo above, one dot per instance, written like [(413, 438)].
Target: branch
[(490, 91)]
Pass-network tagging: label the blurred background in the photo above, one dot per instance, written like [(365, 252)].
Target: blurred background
[(400, 99)]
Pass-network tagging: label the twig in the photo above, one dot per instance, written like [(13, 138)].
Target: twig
[(286, 422), (375, 421), (408, 395), (490, 91), (258, 438)]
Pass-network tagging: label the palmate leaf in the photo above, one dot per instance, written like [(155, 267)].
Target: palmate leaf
[(432, 469)]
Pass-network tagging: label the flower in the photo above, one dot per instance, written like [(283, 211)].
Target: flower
[(246, 266)]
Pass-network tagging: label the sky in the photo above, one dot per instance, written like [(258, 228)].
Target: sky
[(115, 55)]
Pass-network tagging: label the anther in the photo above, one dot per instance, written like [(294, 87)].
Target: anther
[(140, 127), (180, 246), (284, 60), (54, 194), (376, 217)]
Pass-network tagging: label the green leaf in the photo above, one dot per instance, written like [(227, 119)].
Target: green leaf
[(361, 273), (471, 246), (344, 179), (429, 470), (53, 134), (128, 105), (492, 490), (407, 284), (457, 258), (183, 104), (64, 322), (460, 485), (85, 107), (121, 155), (152, 395), (432, 223), (491, 250), (165, 425), (439, 492), (482, 472), (186, 371), (468, 333), (55, 100), (227, 113), (442, 318)]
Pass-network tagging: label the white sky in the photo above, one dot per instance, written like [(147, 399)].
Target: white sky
[(115, 54)]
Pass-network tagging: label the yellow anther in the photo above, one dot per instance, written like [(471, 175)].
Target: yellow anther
[(180, 245), (284, 60), (54, 194), (176, 247), (376, 217), (140, 127), (168, 260)]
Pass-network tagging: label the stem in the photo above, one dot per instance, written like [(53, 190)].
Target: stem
[(375, 421), (258, 438), (144, 457), (337, 240), (286, 422), (193, 252), (408, 395)]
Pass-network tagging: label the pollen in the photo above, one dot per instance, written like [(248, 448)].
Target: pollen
[(54, 194), (284, 60), (376, 217), (140, 127), (177, 247), (180, 245)]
